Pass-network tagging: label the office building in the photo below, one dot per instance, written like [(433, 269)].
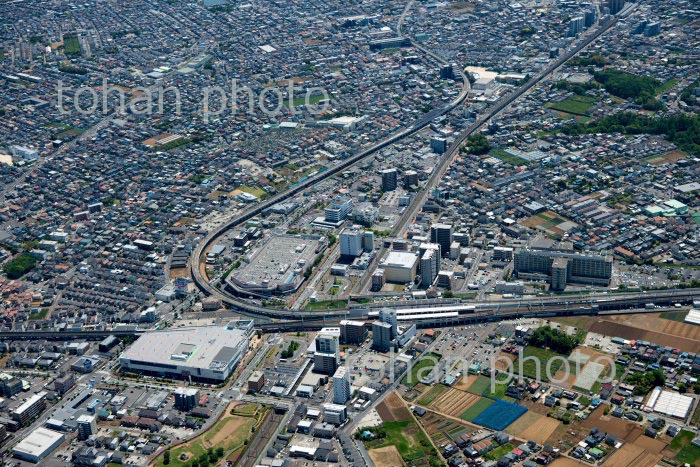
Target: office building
[(438, 145), (341, 385), (615, 6), (38, 445), (30, 409), (9, 385), (400, 267), (334, 413), (561, 267), (502, 253), (256, 382), (338, 210), (389, 179), (86, 426), (352, 332), (207, 353), (442, 235), (186, 399), (351, 242), (381, 336)]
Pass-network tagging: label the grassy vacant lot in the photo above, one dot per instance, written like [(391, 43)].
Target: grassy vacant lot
[(420, 369), (253, 190), (326, 305), (674, 315), (230, 433), (499, 452), (71, 45), (408, 438), (432, 394), (297, 101), (482, 387), (529, 365), (505, 157), (576, 105), (472, 412)]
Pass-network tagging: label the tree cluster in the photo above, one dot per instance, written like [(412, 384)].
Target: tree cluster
[(555, 339)]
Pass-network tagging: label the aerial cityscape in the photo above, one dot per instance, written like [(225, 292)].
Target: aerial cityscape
[(368, 233)]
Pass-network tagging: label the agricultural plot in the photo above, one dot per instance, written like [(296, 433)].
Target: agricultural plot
[(392, 409), (631, 455), (432, 394), (388, 456), (442, 430), (534, 426), (499, 415), (454, 402), (475, 410)]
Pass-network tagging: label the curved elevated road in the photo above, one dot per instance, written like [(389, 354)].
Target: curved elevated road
[(249, 309)]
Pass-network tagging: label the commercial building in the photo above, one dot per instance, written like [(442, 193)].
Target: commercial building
[(390, 179), (400, 267), (86, 426), (30, 409), (381, 336), (277, 267), (208, 353), (38, 444), (561, 267), (442, 235), (352, 332), (186, 399), (341, 385)]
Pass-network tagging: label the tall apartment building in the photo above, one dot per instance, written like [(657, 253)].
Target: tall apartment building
[(615, 6), (351, 242), (390, 179), (352, 332), (442, 235), (341, 385), (186, 399), (438, 145), (381, 336), (327, 355), (429, 263), (410, 178)]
